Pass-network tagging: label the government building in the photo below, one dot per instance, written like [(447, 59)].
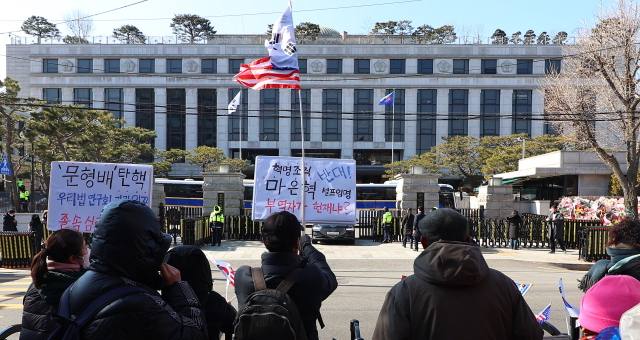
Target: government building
[(182, 91)]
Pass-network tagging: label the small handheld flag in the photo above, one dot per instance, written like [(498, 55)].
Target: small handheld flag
[(544, 315), (523, 287), (573, 311), (225, 269), (387, 100), (233, 106)]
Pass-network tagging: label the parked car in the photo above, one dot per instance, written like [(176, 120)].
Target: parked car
[(337, 232)]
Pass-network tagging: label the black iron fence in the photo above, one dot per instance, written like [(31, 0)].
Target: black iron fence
[(593, 242)]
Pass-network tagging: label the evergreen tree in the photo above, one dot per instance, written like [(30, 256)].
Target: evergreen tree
[(129, 34), (499, 37), (191, 28), (529, 38), (40, 27)]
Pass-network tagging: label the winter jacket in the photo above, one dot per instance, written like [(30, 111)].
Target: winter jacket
[(128, 249), (514, 226), (41, 304), (453, 294), (556, 229), (416, 228), (315, 284), (194, 268), (9, 223), (407, 224), (625, 260)]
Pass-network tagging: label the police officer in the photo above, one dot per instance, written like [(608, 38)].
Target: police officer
[(23, 199), (216, 219), (20, 185), (387, 220), (27, 199)]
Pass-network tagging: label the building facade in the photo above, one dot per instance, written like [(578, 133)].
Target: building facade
[(182, 90)]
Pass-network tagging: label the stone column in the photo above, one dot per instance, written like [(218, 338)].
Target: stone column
[(414, 183), (157, 198), (496, 199), (230, 184)]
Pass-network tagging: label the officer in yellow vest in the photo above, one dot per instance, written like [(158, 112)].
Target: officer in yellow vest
[(27, 198), (216, 220), (387, 220), (22, 202)]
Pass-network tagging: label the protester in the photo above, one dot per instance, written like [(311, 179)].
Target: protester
[(216, 219), (68, 258), (623, 248), (9, 222), (387, 223), (195, 269), (281, 236), (556, 229), (35, 227), (407, 228), (515, 221), (416, 231), (604, 304), (453, 294), (128, 249)]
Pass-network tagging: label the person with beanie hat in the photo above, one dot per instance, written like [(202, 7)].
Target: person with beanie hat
[(604, 303)]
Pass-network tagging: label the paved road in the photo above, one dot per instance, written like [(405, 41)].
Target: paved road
[(363, 283)]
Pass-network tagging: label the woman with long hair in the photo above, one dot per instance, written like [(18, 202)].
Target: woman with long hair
[(63, 260)]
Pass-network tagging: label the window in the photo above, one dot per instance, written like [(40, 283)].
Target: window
[(397, 118), (363, 114), (332, 115), (269, 123), (489, 66), (82, 97), (334, 66), (209, 66), (552, 66), (147, 66), (50, 66), (490, 111), (207, 117), (113, 102), (521, 112), (302, 66), (174, 65), (458, 112), (361, 66), (241, 113), (112, 66), (176, 111), (52, 96), (85, 66), (377, 157), (525, 66), (397, 66), (295, 114), (316, 153), (234, 65), (426, 120), (145, 115), (425, 66), (461, 66)]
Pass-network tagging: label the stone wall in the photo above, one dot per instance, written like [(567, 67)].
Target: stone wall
[(228, 183), (497, 200), (409, 185)]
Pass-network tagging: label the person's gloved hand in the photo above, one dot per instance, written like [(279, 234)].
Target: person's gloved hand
[(305, 241)]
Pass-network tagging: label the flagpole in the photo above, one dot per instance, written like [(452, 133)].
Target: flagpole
[(393, 126), (302, 187), (240, 139)]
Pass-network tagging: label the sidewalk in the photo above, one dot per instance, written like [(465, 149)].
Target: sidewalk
[(365, 249)]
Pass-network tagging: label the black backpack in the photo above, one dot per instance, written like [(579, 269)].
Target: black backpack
[(269, 314)]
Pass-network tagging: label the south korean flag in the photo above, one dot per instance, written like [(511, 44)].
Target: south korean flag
[(282, 46)]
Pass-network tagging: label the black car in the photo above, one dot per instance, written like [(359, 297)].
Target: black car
[(338, 232)]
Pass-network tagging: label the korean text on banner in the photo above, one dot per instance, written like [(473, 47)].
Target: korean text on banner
[(78, 191), (330, 188)]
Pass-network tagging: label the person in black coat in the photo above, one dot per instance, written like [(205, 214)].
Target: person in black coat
[(35, 227), (416, 230), (9, 222), (515, 221), (128, 248), (407, 228), (194, 268), (281, 237)]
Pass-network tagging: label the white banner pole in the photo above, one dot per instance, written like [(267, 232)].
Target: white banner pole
[(302, 187)]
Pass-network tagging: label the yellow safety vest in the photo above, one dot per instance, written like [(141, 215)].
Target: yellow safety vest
[(216, 217), (388, 217), (22, 195), (26, 194)]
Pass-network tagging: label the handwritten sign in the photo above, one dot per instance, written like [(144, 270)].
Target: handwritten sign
[(330, 188), (79, 191)]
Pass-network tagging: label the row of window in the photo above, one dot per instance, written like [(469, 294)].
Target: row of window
[(334, 66), (364, 101)]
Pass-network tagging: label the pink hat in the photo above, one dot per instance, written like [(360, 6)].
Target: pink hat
[(605, 302)]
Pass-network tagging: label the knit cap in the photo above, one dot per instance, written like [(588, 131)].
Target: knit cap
[(604, 303)]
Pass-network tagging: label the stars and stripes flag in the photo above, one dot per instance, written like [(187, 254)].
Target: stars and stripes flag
[(280, 69), (573, 311), (544, 315), (387, 100), (523, 287)]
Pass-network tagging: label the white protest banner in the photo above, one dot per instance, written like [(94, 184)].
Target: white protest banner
[(78, 191), (330, 188)]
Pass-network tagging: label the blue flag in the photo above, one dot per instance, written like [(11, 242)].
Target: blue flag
[(387, 100)]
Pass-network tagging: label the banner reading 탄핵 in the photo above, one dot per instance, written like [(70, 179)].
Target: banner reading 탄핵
[(78, 191), (330, 188)]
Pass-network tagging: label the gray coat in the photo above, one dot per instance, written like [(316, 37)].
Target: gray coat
[(556, 229)]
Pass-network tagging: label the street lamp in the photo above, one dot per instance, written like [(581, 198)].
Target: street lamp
[(519, 139)]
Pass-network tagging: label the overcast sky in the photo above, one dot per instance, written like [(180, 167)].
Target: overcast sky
[(235, 17)]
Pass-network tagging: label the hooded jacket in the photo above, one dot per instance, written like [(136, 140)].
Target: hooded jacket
[(9, 223), (128, 249), (453, 294), (194, 268)]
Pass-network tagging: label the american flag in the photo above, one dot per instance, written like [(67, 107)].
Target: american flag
[(544, 315), (261, 74)]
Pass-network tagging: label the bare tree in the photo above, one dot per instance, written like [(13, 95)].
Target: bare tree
[(79, 25), (594, 99), (479, 33), (367, 25)]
